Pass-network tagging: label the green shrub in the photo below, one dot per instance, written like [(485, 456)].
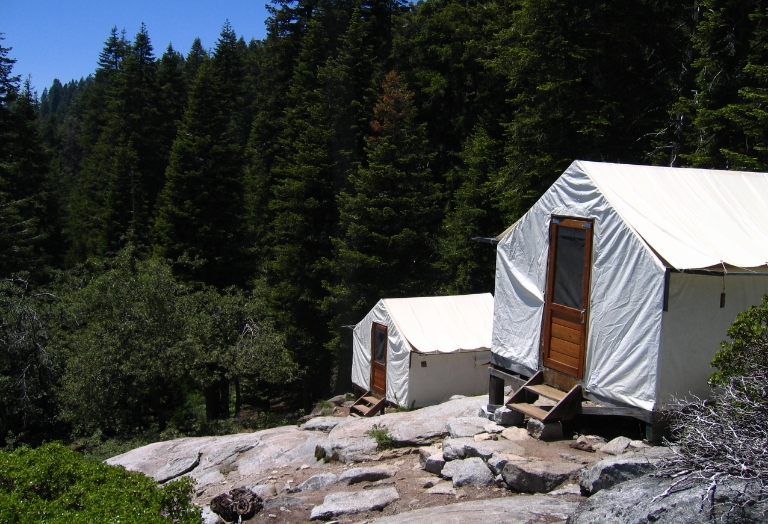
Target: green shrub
[(53, 484), (381, 435), (748, 349)]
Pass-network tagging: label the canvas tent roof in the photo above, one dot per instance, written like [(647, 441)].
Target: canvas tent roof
[(444, 324), (692, 218)]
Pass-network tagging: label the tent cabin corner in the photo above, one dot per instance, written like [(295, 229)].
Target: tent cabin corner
[(420, 351), (624, 279)]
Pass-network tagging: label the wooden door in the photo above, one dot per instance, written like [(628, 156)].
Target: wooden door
[(379, 359), (564, 336)]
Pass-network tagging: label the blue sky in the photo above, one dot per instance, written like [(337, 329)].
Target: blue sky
[(63, 39)]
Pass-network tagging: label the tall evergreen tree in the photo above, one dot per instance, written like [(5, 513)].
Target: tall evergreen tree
[(304, 217), (587, 81), (200, 207), (729, 120), (23, 199), (390, 215)]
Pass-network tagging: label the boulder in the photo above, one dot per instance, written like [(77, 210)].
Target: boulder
[(461, 448), (324, 424), (348, 503), (538, 476), (498, 460), (616, 446), (356, 475), (471, 472), (545, 430), (522, 509), (316, 482), (641, 500), (508, 417), (466, 426), (347, 449), (338, 400), (435, 463), (611, 471), (177, 467)]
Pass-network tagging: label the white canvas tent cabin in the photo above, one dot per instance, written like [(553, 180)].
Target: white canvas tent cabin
[(623, 280), (416, 352)]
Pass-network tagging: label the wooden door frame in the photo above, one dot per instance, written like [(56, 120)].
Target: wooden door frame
[(374, 325), (586, 286)]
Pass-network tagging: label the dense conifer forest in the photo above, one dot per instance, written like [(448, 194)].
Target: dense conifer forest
[(183, 235)]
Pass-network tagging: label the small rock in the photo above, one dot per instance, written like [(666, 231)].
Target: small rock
[(515, 434), (638, 444), (483, 436), (355, 475), (428, 482), (545, 431), (442, 488), (264, 490), (485, 412), (465, 426), (425, 453), (471, 472), (538, 476), (508, 417), (435, 463), (457, 397), (316, 482), (616, 446), (348, 503), (449, 468), (272, 516), (304, 466)]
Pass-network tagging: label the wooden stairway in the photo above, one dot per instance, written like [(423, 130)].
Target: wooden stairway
[(567, 407), (367, 405)]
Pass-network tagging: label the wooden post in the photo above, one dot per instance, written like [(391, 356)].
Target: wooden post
[(495, 390)]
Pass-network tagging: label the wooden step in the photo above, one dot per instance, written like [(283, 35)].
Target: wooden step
[(367, 405), (363, 410), (547, 391), (530, 410)]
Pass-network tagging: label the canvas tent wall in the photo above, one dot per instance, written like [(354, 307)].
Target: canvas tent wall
[(665, 243), (436, 347)]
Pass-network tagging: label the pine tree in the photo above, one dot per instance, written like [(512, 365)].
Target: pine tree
[(587, 81), (304, 217), (24, 206), (390, 216), (468, 266), (200, 207), (729, 120)]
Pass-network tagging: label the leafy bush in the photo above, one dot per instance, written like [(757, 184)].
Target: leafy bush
[(380, 434), (748, 349), (53, 484)]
